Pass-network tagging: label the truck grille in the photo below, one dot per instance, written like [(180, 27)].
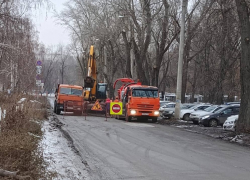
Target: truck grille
[(145, 111), (145, 106)]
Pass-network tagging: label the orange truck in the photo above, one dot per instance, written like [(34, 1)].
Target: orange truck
[(68, 95), (139, 101)]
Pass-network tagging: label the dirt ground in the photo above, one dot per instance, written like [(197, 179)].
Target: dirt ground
[(215, 132)]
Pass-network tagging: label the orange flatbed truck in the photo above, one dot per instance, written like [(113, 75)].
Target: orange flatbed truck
[(68, 93), (139, 101)]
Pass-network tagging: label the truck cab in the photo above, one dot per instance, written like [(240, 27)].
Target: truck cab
[(141, 102), (65, 93)]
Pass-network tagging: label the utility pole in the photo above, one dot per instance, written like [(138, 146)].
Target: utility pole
[(180, 60), (105, 63)]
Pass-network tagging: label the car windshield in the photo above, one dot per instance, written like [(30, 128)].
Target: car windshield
[(71, 91), (163, 104), (144, 93), (221, 109), (210, 109), (217, 109), (185, 106), (194, 107), (169, 105)]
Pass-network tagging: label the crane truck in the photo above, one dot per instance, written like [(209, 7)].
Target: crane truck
[(139, 101), (92, 90), (78, 95)]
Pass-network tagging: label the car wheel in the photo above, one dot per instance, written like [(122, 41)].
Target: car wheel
[(186, 117), (195, 122), (213, 123)]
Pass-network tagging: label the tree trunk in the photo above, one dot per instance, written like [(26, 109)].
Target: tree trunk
[(128, 57), (243, 12), (194, 81)]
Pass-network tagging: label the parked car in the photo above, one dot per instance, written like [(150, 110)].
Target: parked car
[(168, 110), (219, 117), (188, 105), (195, 116), (166, 106), (230, 123), (162, 103), (231, 103), (185, 113)]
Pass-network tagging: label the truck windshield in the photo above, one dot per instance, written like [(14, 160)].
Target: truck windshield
[(71, 91), (144, 93)]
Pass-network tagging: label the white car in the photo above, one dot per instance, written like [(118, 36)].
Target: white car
[(185, 113), (230, 123), (195, 116), (167, 106), (162, 103)]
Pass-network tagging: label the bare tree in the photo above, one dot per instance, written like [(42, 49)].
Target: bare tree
[(243, 13)]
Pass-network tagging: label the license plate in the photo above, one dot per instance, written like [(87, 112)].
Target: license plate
[(145, 114)]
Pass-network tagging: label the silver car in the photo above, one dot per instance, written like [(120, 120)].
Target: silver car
[(195, 116), (168, 110)]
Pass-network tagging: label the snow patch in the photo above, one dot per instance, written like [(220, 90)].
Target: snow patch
[(21, 100), (60, 156)]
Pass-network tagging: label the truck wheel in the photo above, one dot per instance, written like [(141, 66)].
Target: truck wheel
[(154, 120), (128, 118), (54, 107), (58, 111)]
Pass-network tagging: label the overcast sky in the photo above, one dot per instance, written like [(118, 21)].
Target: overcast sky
[(51, 33)]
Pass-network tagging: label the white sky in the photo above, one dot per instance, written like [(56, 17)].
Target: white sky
[(50, 32)]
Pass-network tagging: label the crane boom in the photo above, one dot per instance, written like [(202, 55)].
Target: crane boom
[(93, 90)]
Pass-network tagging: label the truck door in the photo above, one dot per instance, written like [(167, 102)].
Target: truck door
[(225, 114)]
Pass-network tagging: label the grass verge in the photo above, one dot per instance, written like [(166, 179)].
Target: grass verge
[(20, 135)]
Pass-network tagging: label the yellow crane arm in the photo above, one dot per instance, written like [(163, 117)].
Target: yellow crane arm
[(90, 80)]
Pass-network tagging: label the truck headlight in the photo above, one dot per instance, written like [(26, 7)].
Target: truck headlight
[(133, 112), (156, 113)]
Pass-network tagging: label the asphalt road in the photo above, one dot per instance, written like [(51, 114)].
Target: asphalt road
[(116, 149)]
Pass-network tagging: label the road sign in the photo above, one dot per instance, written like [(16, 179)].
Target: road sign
[(38, 69), (38, 77), (97, 106), (116, 108), (39, 63), (38, 82)]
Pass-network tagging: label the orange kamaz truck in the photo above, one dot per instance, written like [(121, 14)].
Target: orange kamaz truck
[(68, 94), (139, 101)]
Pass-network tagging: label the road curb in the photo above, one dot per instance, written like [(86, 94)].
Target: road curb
[(70, 140)]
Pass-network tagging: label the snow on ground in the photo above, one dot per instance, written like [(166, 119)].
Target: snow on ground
[(59, 154), (21, 100)]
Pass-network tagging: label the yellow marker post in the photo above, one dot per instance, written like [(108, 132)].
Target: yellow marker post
[(116, 108)]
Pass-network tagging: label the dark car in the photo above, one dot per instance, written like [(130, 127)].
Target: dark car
[(220, 116)]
